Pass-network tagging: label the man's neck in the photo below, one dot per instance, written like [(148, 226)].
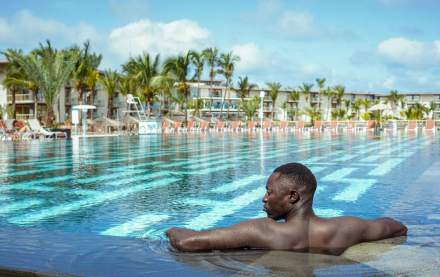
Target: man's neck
[(304, 212)]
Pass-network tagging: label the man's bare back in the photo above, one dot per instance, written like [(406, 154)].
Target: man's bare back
[(289, 197)]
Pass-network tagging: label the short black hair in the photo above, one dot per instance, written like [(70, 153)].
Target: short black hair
[(298, 175)]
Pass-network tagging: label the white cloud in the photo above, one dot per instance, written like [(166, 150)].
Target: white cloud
[(156, 37), (251, 57), (24, 29), (390, 83), (402, 51), (298, 24)]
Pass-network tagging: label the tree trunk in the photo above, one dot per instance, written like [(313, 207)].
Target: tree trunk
[(223, 101), (35, 105), (186, 108), (50, 115), (110, 106), (13, 104), (92, 100)]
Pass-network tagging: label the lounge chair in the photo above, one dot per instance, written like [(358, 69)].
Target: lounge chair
[(177, 126), (334, 125), (165, 126), (251, 125), (267, 125), (3, 134), (430, 125), (299, 125), (412, 126), (284, 125), (317, 125), (36, 127), (220, 125), (204, 125), (191, 125), (235, 125)]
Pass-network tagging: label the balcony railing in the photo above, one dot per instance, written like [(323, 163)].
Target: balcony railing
[(24, 116), (21, 97)]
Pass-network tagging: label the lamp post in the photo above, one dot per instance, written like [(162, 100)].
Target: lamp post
[(260, 113)]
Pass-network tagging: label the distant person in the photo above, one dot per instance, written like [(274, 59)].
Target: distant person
[(289, 197), (21, 127)]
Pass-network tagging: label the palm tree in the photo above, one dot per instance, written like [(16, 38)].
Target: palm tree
[(306, 89), (416, 112), (15, 78), (250, 107), (227, 65), (49, 74), (432, 108), (321, 85), (143, 69), (179, 66), (164, 83), (394, 98), (329, 93), (198, 61), (87, 63), (274, 89), (356, 106), (91, 82), (313, 113), (196, 105), (244, 88), (294, 97), (110, 81), (211, 57), (339, 94)]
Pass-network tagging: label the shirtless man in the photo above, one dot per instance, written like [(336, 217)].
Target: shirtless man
[(289, 197)]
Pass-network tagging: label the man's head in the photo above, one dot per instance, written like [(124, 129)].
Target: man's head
[(290, 187)]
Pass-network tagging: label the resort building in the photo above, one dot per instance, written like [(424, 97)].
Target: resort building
[(216, 99)]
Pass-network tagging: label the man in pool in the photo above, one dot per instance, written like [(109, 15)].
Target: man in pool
[(289, 197)]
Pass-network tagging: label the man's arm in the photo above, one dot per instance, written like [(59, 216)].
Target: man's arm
[(253, 234), (383, 228)]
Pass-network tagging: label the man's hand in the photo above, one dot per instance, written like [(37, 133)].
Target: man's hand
[(178, 236)]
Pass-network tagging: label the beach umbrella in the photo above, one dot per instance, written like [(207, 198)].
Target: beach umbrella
[(378, 107)]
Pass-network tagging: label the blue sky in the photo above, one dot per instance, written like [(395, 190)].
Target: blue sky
[(374, 45)]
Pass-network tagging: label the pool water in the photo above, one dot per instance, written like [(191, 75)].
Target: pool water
[(141, 186)]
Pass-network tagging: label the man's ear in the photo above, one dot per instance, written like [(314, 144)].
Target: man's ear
[(293, 196)]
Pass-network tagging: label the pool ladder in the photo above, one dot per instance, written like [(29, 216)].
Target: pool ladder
[(138, 107)]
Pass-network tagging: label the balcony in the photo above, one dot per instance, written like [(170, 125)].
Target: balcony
[(24, 116), (21, 98), (315, 99)]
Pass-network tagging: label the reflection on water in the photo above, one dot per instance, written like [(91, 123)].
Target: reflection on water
[(85, 254)]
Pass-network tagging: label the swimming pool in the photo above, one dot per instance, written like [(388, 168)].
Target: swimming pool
[(138, 187)]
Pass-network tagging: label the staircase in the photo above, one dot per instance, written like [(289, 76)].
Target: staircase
[(135, 106)]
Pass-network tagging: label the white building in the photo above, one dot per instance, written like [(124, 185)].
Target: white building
[(213, 97)]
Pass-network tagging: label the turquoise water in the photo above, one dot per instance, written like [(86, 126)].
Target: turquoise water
[(141, 186)]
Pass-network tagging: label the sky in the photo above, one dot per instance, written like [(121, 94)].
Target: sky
[(365, 45)]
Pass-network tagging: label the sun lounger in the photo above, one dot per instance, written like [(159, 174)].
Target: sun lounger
[(251, 126), (35, 126), (300, 125), (204, 125), (412, 125), (191, 125), (220, 125), (267, 125), (177, 126), (284, 125), (317, 125), (235, 125), (430, 125)]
